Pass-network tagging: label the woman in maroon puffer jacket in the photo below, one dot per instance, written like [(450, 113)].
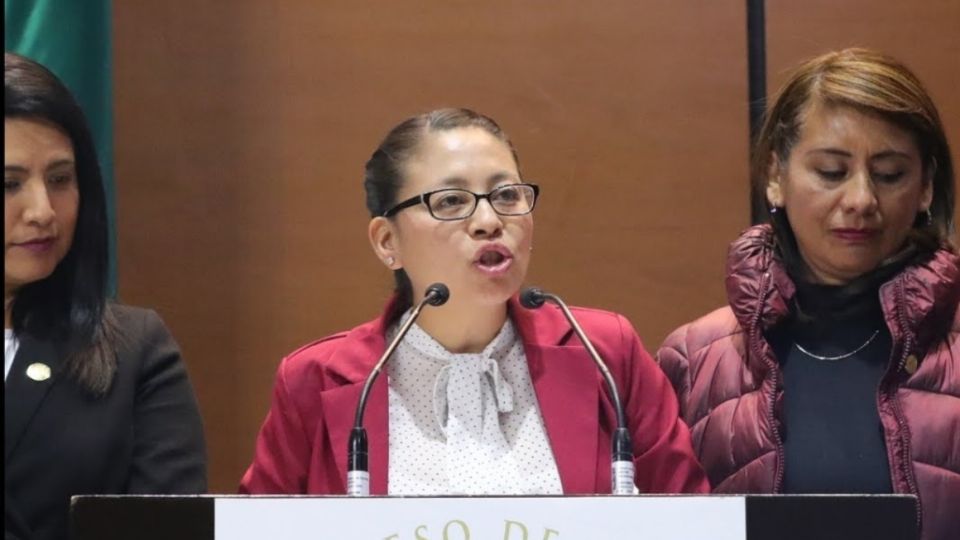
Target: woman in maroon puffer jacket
[(835, 368)]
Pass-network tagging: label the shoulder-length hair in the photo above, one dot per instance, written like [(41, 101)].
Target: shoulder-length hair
[(69, 306), (871, 82)]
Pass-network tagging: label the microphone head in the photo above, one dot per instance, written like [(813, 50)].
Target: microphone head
[(437, 294), (532, 298)]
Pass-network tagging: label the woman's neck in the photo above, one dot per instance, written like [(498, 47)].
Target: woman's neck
[(463, 328), (829, 305)]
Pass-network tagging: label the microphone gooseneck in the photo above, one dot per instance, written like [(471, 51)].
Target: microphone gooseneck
[(358, 472), (621, 448)]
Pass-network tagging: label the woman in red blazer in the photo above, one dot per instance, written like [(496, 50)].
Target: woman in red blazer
[(449, 205)]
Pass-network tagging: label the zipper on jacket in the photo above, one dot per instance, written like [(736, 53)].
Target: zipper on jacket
[(894, 400), (765, 282)]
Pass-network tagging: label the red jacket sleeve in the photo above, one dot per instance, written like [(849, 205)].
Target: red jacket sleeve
[(282, 450)]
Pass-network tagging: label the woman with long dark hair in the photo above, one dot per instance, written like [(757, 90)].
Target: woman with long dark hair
[(96, 395)]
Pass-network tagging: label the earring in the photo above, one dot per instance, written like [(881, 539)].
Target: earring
[(773, 210), (929, 217), (390, 260)]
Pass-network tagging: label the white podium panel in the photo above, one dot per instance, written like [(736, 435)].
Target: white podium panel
[(480, 518)]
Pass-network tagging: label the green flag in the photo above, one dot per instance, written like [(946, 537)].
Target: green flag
[(72, 39)]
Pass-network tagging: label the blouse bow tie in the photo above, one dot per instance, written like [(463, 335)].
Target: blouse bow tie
[(468, 389)]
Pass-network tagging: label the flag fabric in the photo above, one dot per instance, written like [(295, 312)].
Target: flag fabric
[(72, 38)]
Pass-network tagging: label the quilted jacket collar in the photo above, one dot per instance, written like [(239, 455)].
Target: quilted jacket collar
[(922, 298)]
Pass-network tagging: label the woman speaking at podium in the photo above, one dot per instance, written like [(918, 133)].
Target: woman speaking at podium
[(482, 396), (836, 366)]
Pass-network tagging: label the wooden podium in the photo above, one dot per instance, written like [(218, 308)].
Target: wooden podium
[(678, 517)]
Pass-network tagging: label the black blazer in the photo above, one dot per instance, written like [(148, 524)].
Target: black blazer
[(144, 436)]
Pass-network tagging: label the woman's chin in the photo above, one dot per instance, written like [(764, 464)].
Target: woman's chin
[(495, 293)]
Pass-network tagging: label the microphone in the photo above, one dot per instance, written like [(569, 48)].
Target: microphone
[(621, 448), (358, 472)]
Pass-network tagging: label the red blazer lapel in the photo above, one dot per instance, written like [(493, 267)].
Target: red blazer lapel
[(354, 363), (339, 405), (567, 385)]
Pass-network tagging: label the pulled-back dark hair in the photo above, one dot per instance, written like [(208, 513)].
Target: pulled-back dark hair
[(870, 82), (384, 173), (69, 306)]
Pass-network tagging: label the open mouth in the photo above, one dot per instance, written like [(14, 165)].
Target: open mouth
[(491, 258)]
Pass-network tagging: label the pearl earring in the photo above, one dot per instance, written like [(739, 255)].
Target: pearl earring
[(390, 261)]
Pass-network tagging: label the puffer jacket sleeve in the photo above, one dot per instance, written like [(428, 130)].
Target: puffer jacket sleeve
[(675, 363)]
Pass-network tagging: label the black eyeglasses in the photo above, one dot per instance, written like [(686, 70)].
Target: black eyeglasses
[(451, 204)]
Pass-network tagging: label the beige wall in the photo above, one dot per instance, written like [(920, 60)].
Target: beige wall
[(242, 128)]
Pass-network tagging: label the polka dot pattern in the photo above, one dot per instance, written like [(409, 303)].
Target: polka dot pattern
[(466, 424)]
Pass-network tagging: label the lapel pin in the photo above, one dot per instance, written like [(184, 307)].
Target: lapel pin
[(911, 364), (38, 371)]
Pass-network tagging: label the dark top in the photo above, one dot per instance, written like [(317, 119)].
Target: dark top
[(143, 436), (833, 439)]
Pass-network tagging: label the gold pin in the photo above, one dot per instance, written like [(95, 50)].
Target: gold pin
[(38, 371), (911, 364)]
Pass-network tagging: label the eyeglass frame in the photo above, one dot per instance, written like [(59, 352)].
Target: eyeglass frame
[(424, 198)]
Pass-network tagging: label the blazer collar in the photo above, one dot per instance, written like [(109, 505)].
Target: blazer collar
[(560, 373), (23, 395), (352, 364)]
